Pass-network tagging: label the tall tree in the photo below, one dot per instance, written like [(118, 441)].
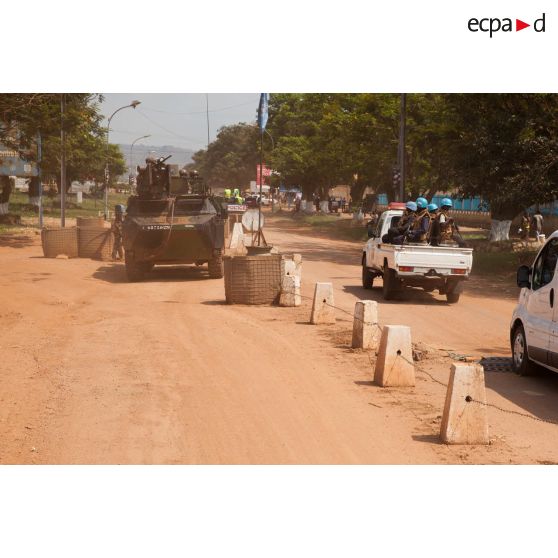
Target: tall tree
[(231, 159), (505, 149), (23, 116)]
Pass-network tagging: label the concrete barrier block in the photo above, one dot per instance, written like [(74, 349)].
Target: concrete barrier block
[(323, 311), (290, 291), (394, 365), (292, 266), (366, 334), (464, 421)]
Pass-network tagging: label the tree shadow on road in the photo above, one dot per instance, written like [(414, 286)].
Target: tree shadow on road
[(116, 273), (409, 296), (16, 241)]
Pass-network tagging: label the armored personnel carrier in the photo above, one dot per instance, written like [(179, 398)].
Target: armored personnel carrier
[(173, 219)]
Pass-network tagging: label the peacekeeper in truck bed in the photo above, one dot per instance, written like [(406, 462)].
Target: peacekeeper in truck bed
[(444, 228), (421, 227), (396, 234)]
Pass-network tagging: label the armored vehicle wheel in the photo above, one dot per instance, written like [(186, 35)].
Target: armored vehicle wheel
[(216, 267), (135, 271)]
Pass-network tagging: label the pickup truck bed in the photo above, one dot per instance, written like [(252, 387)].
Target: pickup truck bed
[(414, 265)]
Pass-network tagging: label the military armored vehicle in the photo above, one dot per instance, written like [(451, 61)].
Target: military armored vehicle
[(172, 219)]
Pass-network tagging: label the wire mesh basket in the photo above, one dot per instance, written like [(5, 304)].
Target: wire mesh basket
[(253, 279), (95, 243), (90, 222), (58, 241)]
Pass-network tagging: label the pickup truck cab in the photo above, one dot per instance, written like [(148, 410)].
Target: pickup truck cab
[(534, 324), (413, 265)]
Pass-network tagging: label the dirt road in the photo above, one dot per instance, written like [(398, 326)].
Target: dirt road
[(96, 370)]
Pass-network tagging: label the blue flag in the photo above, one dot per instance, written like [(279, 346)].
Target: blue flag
[(262, 110)]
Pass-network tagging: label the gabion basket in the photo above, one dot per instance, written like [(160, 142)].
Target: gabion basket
[(95, 243), (90, 222), (253, 279), (58, 241)]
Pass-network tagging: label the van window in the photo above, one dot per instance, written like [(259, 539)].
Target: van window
[(545, 266)]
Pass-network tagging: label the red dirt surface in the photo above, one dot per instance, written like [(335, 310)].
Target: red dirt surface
[(98, 370)]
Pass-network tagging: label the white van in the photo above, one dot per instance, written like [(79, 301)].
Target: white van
[(534, 324)]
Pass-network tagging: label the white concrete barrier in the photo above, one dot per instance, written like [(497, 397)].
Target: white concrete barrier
[(394, 366), (366, 334), (465, 420), (323, 311), (290, 291)]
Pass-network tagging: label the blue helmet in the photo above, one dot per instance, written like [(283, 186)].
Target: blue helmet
[(446, 202), (411, 206), (119, 208), (432, 207), (422, 203)]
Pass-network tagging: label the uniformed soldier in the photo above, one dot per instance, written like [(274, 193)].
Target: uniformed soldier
[(421, 226), (445, 230), (396, 234), (116, 228)]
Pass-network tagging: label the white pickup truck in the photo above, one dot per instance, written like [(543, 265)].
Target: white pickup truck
[(413, 265)]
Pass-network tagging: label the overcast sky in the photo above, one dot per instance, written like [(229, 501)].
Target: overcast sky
[(176, 119)]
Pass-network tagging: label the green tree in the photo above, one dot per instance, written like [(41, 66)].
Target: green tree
[(23, 116), (505, 149), (231, 159)]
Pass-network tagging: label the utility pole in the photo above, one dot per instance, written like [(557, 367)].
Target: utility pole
[(401, 153), (62, 162), (40, 177), (207, 116)]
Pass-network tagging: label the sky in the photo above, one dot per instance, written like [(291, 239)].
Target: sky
[(177, 119)]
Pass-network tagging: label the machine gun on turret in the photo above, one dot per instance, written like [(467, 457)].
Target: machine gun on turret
[(153, 181)]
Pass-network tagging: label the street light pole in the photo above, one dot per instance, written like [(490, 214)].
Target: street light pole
[(270, 188), (133, 104), (132, 154)]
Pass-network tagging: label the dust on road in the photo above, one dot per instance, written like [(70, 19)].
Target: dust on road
[(97, 370)]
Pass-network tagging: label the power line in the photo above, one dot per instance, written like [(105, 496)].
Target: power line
[(201, 111)]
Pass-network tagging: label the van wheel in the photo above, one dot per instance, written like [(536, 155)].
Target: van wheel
[(367, 277), (520, 359), (388, 289)]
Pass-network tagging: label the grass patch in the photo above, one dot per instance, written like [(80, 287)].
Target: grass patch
[(335, 227), (498, 263), (19, 205)]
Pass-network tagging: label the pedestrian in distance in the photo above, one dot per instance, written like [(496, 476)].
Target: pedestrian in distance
[(538, 222), (116, 228), (525, 226)]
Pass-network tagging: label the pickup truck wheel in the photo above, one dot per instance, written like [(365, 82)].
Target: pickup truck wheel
[(520, 359), (452, 298), (367, 277), (134, 270), (388, 289), (453, 292)]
